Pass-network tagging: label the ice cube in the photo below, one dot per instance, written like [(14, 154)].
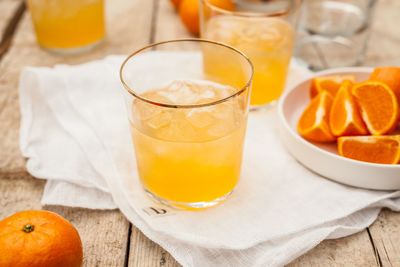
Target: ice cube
[(143, 110), (207, 94), (161, 120), (200, 117), (179, 92), (175, 85), (178, 130), (223, 29), (218, 130), (250, 34)]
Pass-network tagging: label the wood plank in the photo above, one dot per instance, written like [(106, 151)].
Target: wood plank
[(354, 250), (104, 243), (11, 12), (385, 233), (104, 233), (146, 253), (168, 24), (7, 10)]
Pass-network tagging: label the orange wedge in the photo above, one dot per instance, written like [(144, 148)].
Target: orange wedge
[(314, 122), (328, 83), (390, 76), (345, 117), (376, 149), (379, 107)]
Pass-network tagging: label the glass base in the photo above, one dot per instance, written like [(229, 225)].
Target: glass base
[(73, 50), (189, 205)]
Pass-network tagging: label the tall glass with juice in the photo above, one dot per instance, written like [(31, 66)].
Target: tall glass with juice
[(68, 26), (187, 126), (263, 31)]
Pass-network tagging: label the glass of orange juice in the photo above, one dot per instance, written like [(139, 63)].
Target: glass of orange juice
[(68, 26), (187, 126), (263, 30)]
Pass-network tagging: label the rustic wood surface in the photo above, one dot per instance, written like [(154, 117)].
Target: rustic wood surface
[(109, 239)]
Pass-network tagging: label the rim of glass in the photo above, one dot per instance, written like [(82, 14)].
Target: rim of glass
[(238, 92), (249, 13)]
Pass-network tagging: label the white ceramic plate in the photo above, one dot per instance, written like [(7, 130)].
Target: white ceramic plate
[(323, 158)]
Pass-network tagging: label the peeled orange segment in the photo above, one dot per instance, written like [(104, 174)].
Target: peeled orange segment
[(376, 149), (314, 122), (379, 106), (345, 117), (330, 84), (389, 76)]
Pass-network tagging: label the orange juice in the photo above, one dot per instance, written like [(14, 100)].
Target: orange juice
[(63, 24), (267, 41), (189, 155)]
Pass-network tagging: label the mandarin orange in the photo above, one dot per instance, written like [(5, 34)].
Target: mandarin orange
[(37, 238), (390, 76), (379, 106), (330, 84), (176, 3), (313, 124), (189, 12), (345, 117), (375, 149)]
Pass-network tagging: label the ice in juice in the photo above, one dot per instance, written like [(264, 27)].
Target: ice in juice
[(189, 155), (268, 42), (67, 23)]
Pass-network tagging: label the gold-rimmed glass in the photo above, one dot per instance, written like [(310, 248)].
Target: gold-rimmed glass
[(187, 124), (264, 31)]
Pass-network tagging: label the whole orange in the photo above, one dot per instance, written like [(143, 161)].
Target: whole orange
[(189, 12), (39, 238), (176, 3)]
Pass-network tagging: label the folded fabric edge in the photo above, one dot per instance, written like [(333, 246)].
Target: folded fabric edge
[(336, 232), (72, 195)]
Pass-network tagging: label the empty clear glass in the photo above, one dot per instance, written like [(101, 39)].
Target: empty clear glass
[(333, 33)]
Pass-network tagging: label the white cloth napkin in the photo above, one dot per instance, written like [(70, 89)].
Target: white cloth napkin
[(74, 132)]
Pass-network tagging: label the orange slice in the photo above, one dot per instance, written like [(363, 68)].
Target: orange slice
[(376, 149), (328, 83), (345, 117), (390, 76), (314, 122), (379, 107)]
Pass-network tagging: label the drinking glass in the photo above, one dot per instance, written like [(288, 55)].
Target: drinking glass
[(68, 26), (187, 124), (333, 33), (264, 31)]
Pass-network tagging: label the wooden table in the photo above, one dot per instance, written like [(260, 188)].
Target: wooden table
[(109, 239)]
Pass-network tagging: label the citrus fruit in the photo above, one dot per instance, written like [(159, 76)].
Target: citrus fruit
[(345, 117), (223, 4), (379, 106), (176, 3), (39, 238), (189, 12), (313, 124), (390, 76), (376, 149), (330, 84)]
